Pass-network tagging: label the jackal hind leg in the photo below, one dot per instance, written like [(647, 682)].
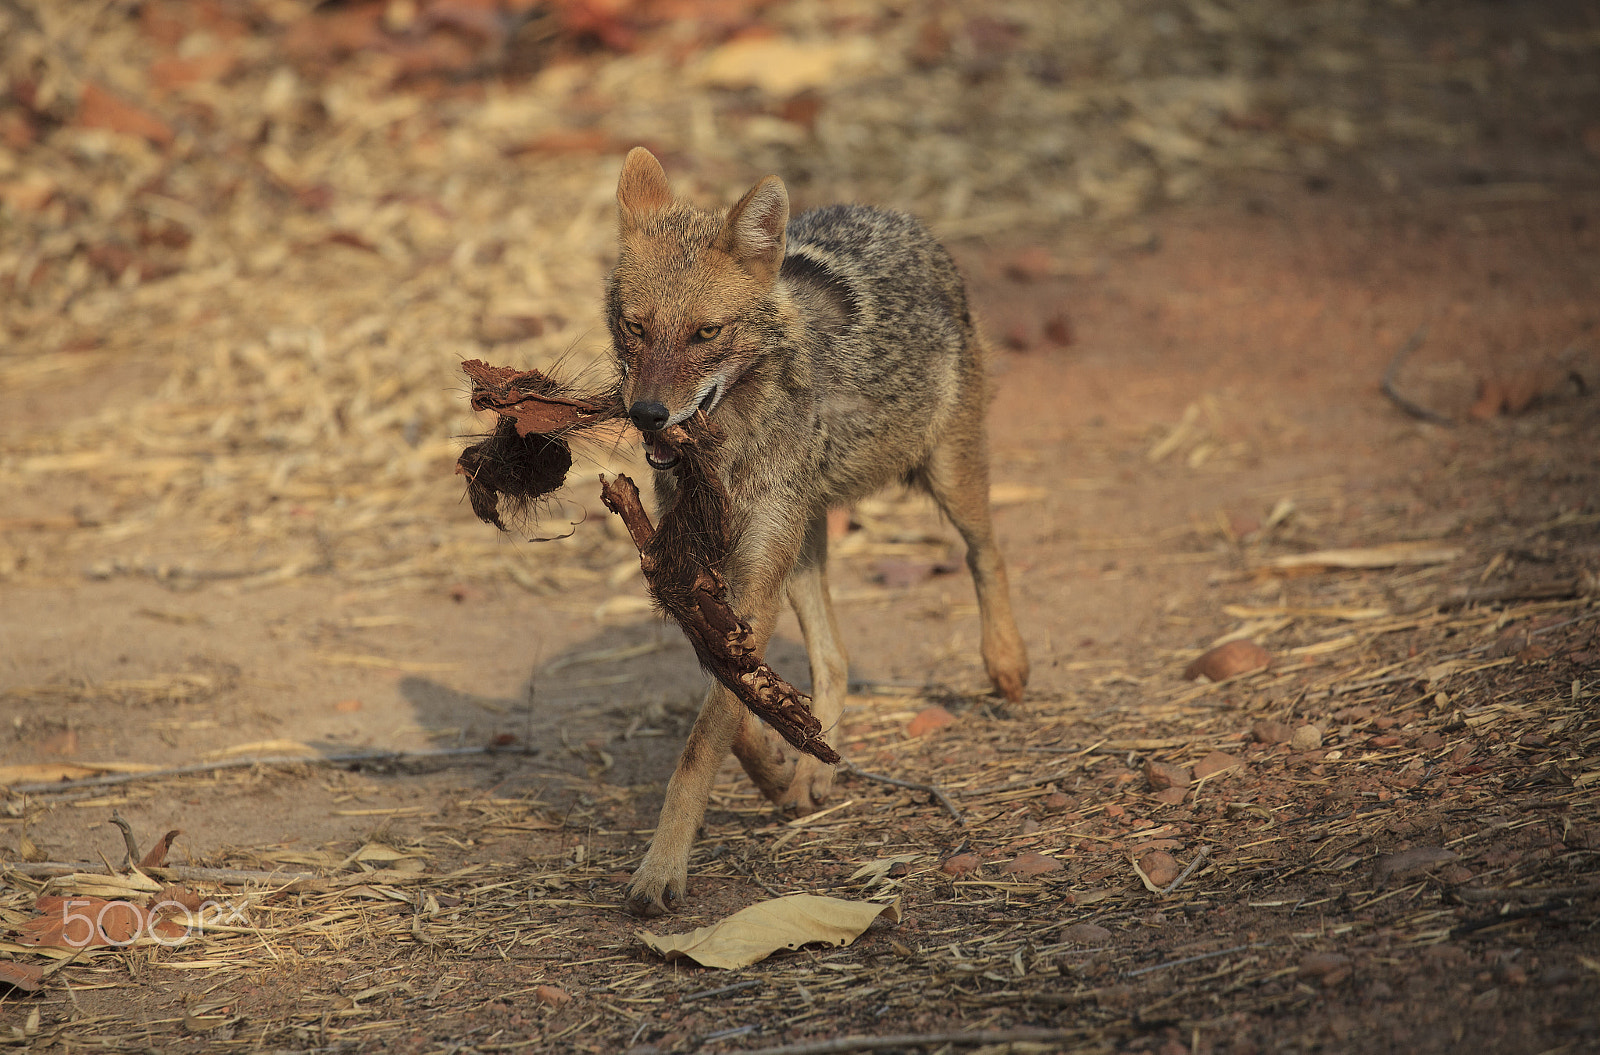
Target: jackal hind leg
[(957, 475), (812, 781)]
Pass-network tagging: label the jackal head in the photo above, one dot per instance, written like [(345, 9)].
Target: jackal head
[(690, 305)]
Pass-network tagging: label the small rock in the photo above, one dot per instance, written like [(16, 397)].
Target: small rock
[(1328, 967), (1086, 934), (555, 996), (1227, 661), (1114, 811), (1034, 264), (1407, 862), (1430, 741), (1306, 738), (1163, 776), (1031, 865), (1159, 867), (1172, 796), (1385, 722), (1028, 826), (928, 720), (1214, 763), (1058, 330), (1267, 731), (1056, 802), (1385, 741), (961, 864)]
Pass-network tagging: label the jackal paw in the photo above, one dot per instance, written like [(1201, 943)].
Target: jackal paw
[(655, 891), (808, 789)]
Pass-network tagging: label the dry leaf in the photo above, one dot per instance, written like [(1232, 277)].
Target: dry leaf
[(22, 976), (157, 857), (751, 935), (87, 922), (1393, 555)]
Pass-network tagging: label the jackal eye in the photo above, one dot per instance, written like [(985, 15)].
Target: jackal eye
[(633, 327), (707, 333)]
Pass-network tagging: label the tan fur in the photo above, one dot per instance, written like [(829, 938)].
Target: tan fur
[(837, 354)]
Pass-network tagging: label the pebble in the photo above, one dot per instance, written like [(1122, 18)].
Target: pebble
[(928, 720), (1229, 660), (1163, 776), (1306, 738), (1214, 763), (1159, 867), (1086, 934), (1032, 864), (960, 864), (1268, 731), (553, 995)]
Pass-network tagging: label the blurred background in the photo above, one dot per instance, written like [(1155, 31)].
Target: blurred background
[(244, 243)]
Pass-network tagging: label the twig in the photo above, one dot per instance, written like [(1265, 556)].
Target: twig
[(1544, 908), (1470, 894), (932, 789), (1195, 959), (271, 760), (184, 873), (972, 1038), (127, 838), (1187, 872), (707, 994), (1390, 389)]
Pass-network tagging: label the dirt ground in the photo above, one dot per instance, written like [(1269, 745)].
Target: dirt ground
[(205, 555)]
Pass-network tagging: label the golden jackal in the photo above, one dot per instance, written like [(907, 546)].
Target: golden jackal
[(836, 353)]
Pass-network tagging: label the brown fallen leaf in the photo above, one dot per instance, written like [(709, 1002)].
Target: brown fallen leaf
[(157, 857), (24, 976), (89, 922), (751, 935), (1228, 661), (99, 108)]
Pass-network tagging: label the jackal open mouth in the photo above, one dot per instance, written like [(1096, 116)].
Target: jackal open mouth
[(658, 452)]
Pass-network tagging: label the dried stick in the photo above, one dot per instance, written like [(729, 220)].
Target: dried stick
[(964, 1038), (183, 873), (1392, 390), (695, 595), (1187, 872), (50, 787), (933, 789), (128, 840)]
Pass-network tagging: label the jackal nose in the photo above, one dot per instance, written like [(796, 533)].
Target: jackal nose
[(649, 417)]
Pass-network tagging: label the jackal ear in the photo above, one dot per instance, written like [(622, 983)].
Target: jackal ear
[(642, 189), (753, 234)]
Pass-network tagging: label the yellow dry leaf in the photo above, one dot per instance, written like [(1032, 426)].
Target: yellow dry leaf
[(751, 935), (1395, 554), (45, 772)]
